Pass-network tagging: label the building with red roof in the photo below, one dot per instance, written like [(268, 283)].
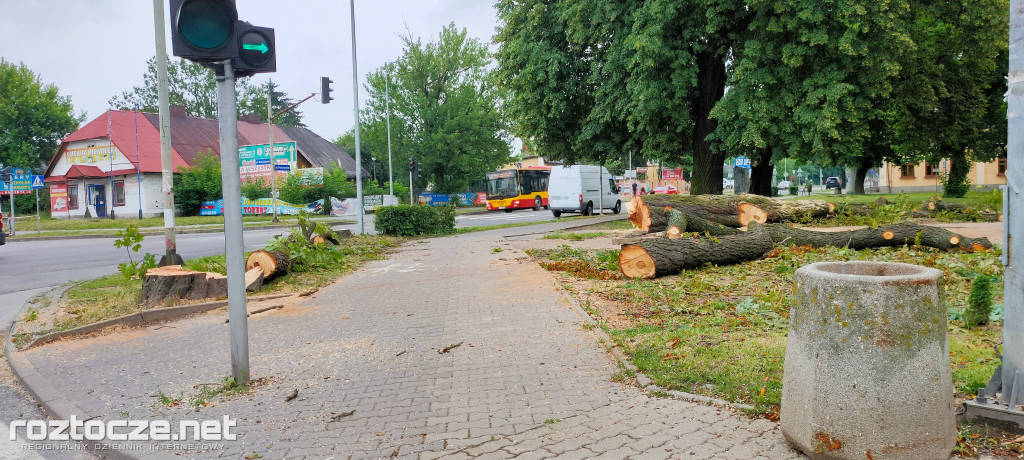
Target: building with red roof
[(112, 165)]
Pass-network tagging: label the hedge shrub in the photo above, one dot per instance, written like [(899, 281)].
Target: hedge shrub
[(406, 220)]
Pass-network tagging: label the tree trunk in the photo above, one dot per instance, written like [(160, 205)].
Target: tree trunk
[(728, 210), (173, 283), (660, 257), (273, 263), (686, 223), (957, 185), (761, 173), (858, 178), (707, 165), (902, 234)]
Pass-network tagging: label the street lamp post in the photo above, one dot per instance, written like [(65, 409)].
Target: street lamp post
[(387, 104)]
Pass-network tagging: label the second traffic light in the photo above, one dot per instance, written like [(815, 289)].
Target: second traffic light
[(412, 165), (256, 53), (325, 90)]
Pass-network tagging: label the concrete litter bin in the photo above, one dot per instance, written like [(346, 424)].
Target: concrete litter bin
[(867, 371)]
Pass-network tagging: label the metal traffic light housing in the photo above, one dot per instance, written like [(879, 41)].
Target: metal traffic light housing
[(256, 51), (325, 90), (203, 30)]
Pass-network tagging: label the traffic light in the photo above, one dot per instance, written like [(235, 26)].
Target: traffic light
[(207, 31), (325, 90), (256, 52), (203, 30), (412, 165)]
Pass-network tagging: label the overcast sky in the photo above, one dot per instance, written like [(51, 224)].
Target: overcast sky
[(96, 49)]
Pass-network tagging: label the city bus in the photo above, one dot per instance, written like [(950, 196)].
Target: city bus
[(523, 188)]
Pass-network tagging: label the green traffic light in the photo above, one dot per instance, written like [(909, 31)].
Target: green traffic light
[(262, 47), (205, 24)]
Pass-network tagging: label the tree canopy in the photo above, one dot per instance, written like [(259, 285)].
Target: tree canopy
[(444, 112), (195, 87), (834, 82), (34, 117), (255, 103)]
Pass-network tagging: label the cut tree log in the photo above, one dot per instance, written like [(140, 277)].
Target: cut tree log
[(679, 222), (273, 263), (254, 279), (660, 257), (731, 211), (901, 234), (174, 283)]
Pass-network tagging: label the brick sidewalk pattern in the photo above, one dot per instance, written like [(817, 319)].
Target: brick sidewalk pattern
[(527, 381)]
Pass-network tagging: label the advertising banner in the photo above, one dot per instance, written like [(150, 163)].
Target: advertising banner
[(672, 174), (262, 206), (5, 189), (312, 176), (255, 162), (59, 198)]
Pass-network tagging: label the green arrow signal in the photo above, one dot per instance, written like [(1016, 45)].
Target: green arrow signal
[(262, 47)]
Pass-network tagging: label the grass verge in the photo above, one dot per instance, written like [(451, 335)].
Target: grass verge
[(112, 296), (721, 331)]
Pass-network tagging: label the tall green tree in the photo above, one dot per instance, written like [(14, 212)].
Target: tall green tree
[(956, 82), (34, 117), (444, 109), (190, 85), (812, 81)]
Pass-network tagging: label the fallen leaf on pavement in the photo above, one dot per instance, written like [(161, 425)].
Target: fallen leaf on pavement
[(294, 394)]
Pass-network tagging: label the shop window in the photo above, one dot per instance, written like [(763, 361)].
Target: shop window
[(118, 193), (72, 196), (930, 170), (907, 170), (1001, 166)]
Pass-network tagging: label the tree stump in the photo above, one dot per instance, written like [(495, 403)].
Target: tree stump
[(174, 282), (273, 263)]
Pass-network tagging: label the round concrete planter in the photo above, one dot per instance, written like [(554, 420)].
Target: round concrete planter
[(867, 363)]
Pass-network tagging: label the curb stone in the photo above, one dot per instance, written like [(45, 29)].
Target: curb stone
[(57, 406), (142, 318), (642, 380)]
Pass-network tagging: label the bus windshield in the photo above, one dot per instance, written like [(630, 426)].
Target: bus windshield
[(502, 184)]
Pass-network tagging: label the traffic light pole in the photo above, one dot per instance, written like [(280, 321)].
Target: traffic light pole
[(273, 162), (233, 244)]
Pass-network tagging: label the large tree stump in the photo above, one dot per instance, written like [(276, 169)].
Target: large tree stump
[(173, 282), (902, 234), (273, 263), (660, 257)]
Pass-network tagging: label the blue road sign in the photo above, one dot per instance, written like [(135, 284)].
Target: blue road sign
[(37, 182), (742, 162), (283, 167)]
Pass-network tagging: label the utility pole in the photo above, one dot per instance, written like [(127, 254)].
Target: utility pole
[(233, 244), (355, 108), (387, 104), (273, 162), (171, 256), (1013, 222)]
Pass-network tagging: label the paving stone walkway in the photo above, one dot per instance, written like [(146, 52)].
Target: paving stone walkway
[(526, 379)]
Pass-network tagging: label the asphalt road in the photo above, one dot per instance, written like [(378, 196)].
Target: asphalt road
[(27, 266)]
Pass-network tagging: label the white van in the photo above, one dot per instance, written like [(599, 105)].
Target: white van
[(579, 189)]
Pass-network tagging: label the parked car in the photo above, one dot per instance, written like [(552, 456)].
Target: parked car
[(783, 185), (727, 184), (832, 182), (3, 237), (665, 190), (578, 189)]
